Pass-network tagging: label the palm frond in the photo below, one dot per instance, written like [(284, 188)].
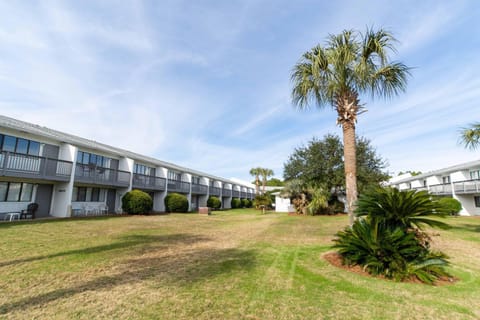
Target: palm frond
[(470, 136)]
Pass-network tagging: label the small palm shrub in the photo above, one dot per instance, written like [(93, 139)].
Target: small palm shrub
[(388, 239), (214, 202), (137, 202), (236, 203), (176, 202), (452, 206), (262, 200)]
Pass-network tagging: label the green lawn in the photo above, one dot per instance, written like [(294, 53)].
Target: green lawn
[(232, 265)]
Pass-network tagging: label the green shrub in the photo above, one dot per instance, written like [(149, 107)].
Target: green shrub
[(176, 202), (214, 202), (245, 203), (236, 203), (452, 206), (248, 203), (387, 239), (137, 202), (262, 200)]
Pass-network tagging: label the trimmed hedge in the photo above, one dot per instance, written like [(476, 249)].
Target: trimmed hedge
[(137, 202), (176, 202), (246, 203), (262, 200), (214, 202), (236, 203), (453, 206)]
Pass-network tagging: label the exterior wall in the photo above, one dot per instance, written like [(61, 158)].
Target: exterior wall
[(125, 164), (281, 204), (186, 177), (159, 196), (202, 198), (468, 205), (62, 192)]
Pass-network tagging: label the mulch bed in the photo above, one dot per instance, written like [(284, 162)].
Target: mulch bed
[(336, 260)]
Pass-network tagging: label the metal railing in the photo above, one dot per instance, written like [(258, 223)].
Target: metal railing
[(28, 166), (226, 192), (88, 173), (199, 188), (178, 186), (236, 194), (467, 186), (141, 181), (445, 188), (214, 191)]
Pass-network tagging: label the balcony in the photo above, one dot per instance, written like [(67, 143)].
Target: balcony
[(141, 181), (214, 191), (441, 189), (88, 173), (467, 186), (178, 186), (34, 167), (243, 194), (199, 188), (226, 193), (236, 194)]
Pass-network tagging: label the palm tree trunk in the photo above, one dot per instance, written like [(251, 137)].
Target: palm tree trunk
[(257, 185), (350, 161)]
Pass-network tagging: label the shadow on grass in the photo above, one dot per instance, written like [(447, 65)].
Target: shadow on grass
[(10, 224), (468, 227), (125, 242), (179, 269)]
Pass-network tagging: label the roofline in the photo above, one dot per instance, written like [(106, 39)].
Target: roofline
[(450, 169), (52, 134)]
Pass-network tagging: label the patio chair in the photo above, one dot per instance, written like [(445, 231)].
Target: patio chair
[(29, 212)]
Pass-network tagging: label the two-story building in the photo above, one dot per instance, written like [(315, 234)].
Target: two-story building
[(461, 182), (65, 174)]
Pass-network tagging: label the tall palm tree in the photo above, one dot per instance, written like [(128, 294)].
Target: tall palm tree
[(350, 64), (256, 172), (470, 136), (265, 173)]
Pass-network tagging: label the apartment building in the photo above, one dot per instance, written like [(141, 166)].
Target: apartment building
[(461, 182), (64, 174)]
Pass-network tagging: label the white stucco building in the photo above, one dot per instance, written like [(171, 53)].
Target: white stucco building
[(461, 182), (65, 174)]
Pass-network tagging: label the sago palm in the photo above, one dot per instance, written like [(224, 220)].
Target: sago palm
[(348, 65)]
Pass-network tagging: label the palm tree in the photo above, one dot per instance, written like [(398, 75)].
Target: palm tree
[(265, 173), (350, 64), (256, 172), (470, 137)]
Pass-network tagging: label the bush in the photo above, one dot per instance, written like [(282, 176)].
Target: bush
[(137, 202), (176, 202), (214, 202), (248, 203), (245, 203), (236, 203), (262, 200), (453, 206), (387, 238)]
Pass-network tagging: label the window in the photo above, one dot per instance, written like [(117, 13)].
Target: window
[(84, 194), (93, 159), (27, 190), (424, 183), (446, 179), (196, 180), (172, 175), (19, 145), (475, 174), (15, 191), (477, 201), (95, 195), (81, 194)]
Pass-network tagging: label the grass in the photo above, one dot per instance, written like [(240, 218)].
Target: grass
[(235, 264)]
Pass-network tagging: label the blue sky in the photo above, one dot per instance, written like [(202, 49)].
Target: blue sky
[(206, 84)]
